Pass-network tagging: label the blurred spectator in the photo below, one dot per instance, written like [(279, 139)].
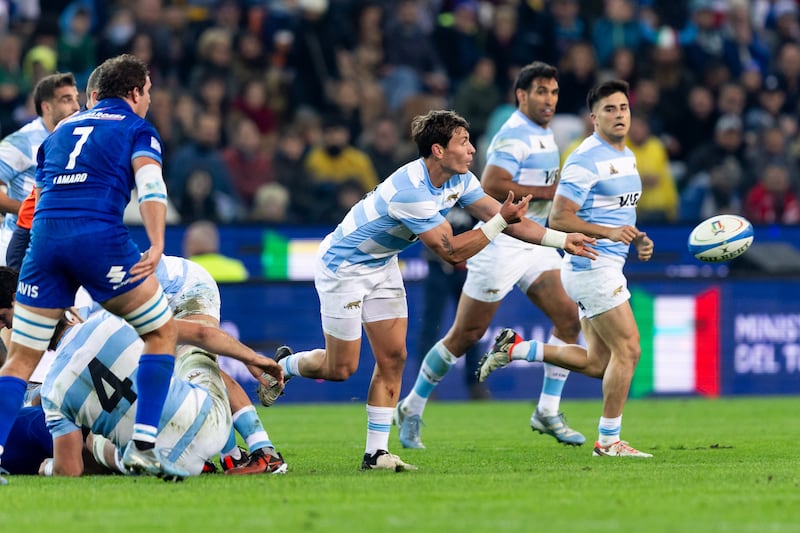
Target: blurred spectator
[(201, 245), (621, 67), (702, 117), (731, 100), (788, 73), (290, 171), (777, 20), (659, 200), (727, 145), (13, 85), (117, 34), (271, 204), (348, 194), (536, 33), (76, 47), (411, 64), (202, 154), (769, 108), (382, 146), (617, 28), (702, 39), (772, 147), (713, 192), (214, 62), (568, 25), (250, 58), (742, 47), (577, 75), (313, 55), (772, 200), (459, 39), (674, 82), (477, 97), (504, 46), (346, 104), (334, 162), (252, 103), (248, 165)]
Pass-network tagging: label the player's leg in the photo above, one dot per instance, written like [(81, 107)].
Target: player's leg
[(547, 293), (387, 338), (616, 329), (472, 319), (146, 309), (263, 457), (32, 330)]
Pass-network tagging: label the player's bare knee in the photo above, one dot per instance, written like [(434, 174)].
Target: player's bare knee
[(341, 372)]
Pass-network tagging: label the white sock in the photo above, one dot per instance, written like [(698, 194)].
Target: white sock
[(290, 364), (434, 368), (609, 430), (379, 421), (553, 384), (527, 351)]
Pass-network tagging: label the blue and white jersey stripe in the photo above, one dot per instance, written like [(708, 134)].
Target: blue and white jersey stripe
[(530, 154), (605, 183), (18, 163), (388, 220), (92, 383)]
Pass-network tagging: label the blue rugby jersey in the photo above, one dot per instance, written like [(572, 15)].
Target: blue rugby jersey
[(85, 165), (605, 183), (388, 220)]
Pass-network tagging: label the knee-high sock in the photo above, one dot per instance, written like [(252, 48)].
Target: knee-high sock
[(437, 363)]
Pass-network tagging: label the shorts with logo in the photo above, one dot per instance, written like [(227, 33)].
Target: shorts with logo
[(67, 253), (505, 262), (598, 290), (356, 295)]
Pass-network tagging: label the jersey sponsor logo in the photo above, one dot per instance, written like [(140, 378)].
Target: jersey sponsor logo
[(155, 145), (355, 304), (629, 200), (66, 179), (31, 291)]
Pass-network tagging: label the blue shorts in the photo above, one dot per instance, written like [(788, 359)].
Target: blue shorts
[(67, 253)]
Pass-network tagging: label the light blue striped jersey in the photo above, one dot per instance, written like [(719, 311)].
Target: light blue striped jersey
[(92, 383), (530, 154), (605, 183), (18, 163), (388, 220)]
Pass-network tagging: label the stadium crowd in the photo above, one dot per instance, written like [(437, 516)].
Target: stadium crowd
[(290, 110)]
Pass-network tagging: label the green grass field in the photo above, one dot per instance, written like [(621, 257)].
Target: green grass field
[(720, 465)]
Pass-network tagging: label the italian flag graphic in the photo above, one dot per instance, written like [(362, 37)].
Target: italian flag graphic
[(680, 342)]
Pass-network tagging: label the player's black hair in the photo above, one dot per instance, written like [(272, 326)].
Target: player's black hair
[(45, 89), (93, 82), (120, 76), (435, 127), (8, 286), (605, 89), (531, 71)]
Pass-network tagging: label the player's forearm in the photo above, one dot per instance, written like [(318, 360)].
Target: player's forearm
[(571, 223), (215, 340), (154, 218)]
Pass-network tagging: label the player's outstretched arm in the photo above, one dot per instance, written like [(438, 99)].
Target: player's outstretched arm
[(215, 340), (457, 248)]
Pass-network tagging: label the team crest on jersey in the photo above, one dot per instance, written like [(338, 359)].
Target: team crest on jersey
[(355, 304), (541, 144), (453, 197), (155, 145), (612, 170)]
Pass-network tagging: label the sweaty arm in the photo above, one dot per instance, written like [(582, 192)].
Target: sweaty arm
[(457, 248), (497, 181)]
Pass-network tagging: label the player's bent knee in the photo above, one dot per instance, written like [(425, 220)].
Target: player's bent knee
[(31, 329), (151, 315)]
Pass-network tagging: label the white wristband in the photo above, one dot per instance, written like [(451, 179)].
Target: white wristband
[(494, 226), (48, 467), (554, 239)]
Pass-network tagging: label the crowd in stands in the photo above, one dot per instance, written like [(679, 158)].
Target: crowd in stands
[(288, 111)]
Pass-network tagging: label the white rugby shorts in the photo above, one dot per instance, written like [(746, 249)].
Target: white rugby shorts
[(596, 290), (505, 262)]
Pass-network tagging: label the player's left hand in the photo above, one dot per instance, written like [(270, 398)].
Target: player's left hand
[(644, 245), (146, 265), (578, 244)]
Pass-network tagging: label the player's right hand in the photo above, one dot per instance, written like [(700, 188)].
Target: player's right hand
[(578, 244), (514, 212), (146, 265)]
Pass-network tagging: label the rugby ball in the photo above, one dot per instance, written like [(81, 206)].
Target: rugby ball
[(721, 238)]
